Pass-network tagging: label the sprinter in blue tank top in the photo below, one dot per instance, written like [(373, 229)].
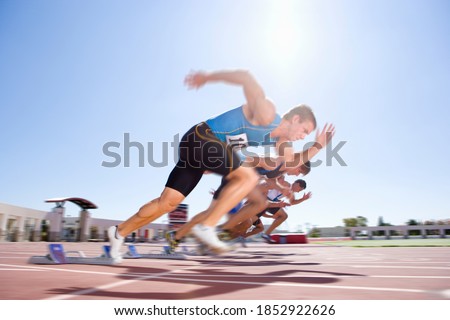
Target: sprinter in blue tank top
[(211, 146), (233, 128)]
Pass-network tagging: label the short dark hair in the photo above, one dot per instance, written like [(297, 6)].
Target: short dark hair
[(301, 182), (304, 112)]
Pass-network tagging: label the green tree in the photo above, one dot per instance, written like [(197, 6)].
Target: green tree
[(314, 233), (362, 221), (412, 222), (381, 223), (350, 222), (359, 221)]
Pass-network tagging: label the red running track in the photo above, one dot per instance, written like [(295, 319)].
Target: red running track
[(258, 272)]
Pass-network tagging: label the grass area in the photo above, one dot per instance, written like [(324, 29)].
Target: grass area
[(390, 243)]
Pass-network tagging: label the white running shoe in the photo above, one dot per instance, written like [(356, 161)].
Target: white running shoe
[(207, 235), (115, 241)]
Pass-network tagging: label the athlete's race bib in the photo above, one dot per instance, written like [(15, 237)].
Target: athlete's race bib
[(238, 141)]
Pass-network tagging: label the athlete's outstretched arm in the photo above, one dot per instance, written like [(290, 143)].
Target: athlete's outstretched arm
[(322, 139), (305, 197), (279, 204), (259, 110)]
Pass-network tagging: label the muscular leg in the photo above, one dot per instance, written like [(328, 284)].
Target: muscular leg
[(239, 181), (256, 202), (280, 216), (186, 228), (258, 228), (235, 188), (241, 229), (167, 202), (240, 184)]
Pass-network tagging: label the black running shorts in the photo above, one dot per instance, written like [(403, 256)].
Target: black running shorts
[(271, 211), (199, 151)]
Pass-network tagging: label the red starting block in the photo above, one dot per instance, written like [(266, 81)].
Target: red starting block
[(283, 238)]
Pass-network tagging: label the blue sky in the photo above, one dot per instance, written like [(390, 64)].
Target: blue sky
[(75, 75)]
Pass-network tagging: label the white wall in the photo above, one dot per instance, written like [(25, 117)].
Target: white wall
[(20, 216)]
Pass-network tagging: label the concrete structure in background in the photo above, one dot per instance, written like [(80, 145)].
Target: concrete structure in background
[(405, 232), (24, 224), (331, 232), (20, 224), (57, 218), (98, 230)]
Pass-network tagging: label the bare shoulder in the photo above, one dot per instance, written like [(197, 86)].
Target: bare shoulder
[(262, 113)]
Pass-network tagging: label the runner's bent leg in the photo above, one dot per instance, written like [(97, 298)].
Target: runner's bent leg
[(241, 182), (280, 217), (167, 202), (186, 228), (256, 202), (259, 227)]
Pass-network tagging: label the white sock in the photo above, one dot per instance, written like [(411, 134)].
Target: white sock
[(117, 235)]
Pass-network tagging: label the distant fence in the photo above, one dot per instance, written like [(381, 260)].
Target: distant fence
[(178, 217), (424, 231)]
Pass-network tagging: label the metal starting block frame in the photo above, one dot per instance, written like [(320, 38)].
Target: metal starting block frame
[(57, 255), (133, 254), (200, 250)]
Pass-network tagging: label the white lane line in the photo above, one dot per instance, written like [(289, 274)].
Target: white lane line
[(319, 286), (194, 275), (118, 283), (394, 267), (299, 275), (446, 293), (394, 262), (32, 268), (412, 277), (17, 269), (166, 276), (12, 257), (59, 269)]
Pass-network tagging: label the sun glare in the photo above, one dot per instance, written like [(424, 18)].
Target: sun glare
[(283, 33), (282, 38)]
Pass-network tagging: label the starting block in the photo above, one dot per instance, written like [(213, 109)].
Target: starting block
[(57, 255), (133, 254), (200, 250)]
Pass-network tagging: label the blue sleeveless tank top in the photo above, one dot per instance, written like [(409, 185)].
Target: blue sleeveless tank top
[(233, 128)]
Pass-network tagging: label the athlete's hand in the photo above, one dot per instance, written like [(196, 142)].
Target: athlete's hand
[(195, 80), (306, 196), (324, 137)]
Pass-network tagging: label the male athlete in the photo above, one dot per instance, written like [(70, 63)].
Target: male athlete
[(246, 210), (274, 179), (279, 213), (205, 147)]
